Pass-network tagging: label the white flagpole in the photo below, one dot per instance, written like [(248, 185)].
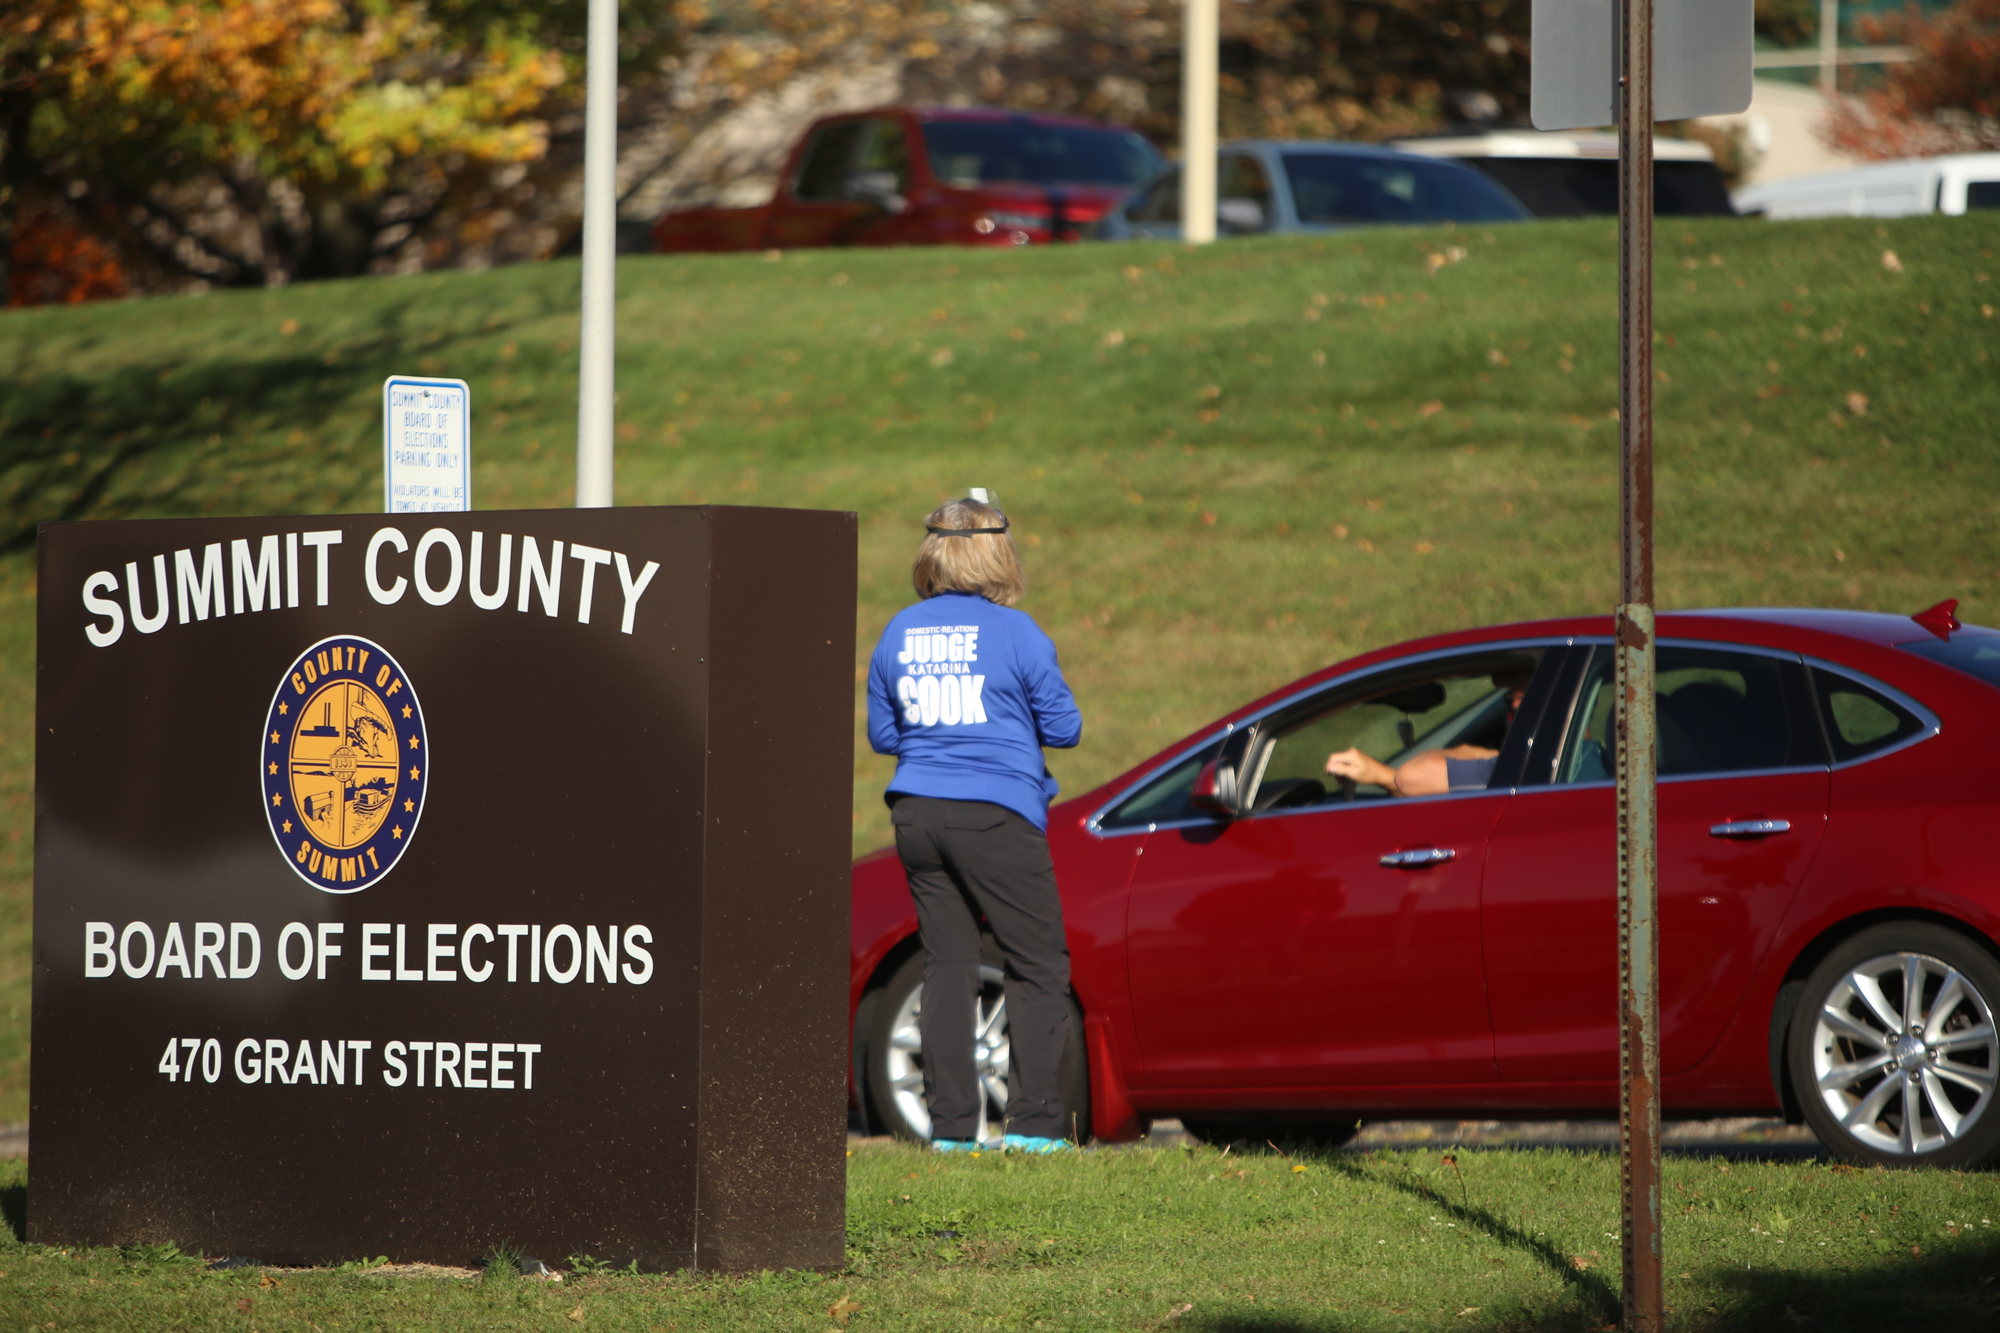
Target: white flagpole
[(594, 382)]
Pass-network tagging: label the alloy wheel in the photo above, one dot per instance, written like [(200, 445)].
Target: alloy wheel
[(991, 1053), (1904, 1054)]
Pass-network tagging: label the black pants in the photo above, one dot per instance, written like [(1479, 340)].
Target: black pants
[(967, 859)]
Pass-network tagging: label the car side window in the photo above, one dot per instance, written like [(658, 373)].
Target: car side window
[(1243, 195), (1164, 800), (1718, 712), (1393, 717), (1160, 203), (1859, 720), (887, 150), (827, 161)]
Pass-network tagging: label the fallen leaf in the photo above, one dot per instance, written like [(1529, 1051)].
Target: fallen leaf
[(1430, 409), (1423, 548), (1770, 391), (1208, 414), (1209, 519), (1470, 1309), (1857, 403), (941, 357), (842, 1308), (576, 1315), (1180, 1310), (243, 1306), (1495, 356), (1115, 338), (1211, 391), (289, 327), (1890, 262)]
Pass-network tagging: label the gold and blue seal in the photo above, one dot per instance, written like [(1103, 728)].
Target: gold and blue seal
[(345, 764)]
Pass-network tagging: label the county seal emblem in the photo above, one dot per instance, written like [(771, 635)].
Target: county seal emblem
[(345, 764)]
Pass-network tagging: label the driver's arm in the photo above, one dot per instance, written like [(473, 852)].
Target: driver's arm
[(1423, 775)]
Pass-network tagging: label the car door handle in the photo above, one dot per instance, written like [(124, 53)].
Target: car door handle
[(1750, 828), (1418, 856)]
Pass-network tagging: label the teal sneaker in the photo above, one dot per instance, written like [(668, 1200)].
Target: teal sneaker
[(1031, 1143), (954, 1145)]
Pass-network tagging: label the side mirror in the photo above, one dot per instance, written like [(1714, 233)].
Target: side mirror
[(1215, 790), (874, 187), (1240, 214)]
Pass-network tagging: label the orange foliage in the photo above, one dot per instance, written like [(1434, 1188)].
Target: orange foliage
[(55, 262)]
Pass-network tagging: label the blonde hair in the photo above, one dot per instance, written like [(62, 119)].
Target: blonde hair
[(985, 564)]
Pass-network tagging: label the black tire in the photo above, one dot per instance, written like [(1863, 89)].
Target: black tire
[(1839, 1028), (892, 1065), (1314, 1135)]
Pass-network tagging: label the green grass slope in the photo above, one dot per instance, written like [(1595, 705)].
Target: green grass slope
[(1226, 467)]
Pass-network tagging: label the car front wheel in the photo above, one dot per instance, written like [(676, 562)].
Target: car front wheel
[(894, 1062), (1893, 1051)]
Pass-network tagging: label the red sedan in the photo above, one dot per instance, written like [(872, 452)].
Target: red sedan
[(1260, 948)]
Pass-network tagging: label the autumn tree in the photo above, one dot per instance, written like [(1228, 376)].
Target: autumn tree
[(268, 140), (1946, 100)]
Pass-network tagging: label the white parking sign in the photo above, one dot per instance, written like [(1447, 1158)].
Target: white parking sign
[(426, 446)]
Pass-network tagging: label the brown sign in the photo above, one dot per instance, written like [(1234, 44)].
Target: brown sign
[(415, 885)]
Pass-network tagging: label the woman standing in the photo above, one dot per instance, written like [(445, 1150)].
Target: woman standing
[(965, 691)]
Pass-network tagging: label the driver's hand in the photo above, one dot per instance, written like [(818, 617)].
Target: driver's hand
[(1358, 767)]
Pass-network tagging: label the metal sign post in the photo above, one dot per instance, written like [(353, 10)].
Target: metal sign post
[(1638, 841), (598, 343), (1593, 61), (1199, 38)]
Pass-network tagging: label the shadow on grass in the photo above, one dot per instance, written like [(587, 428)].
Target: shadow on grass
[(14, 1211), (1593, 1291), (1953, 1286), (193, 431)]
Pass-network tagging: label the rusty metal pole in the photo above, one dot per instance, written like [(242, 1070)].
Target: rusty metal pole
[(1638, 841)]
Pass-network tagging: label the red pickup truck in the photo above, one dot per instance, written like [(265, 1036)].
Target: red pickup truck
[(917, 175)]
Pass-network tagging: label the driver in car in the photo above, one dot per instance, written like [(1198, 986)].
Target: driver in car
[(1433, 772)]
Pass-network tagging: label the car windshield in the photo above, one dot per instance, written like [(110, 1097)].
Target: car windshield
[(1974, 654), (976, 152), (1333, 188)]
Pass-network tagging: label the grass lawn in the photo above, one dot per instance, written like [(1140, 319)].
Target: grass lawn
[(1150, 1238), (1225, 467)]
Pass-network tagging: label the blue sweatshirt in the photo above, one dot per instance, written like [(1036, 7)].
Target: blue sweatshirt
[(965, 694)]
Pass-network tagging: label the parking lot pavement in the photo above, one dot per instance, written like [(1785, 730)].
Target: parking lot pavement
[(1739, 1137)]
